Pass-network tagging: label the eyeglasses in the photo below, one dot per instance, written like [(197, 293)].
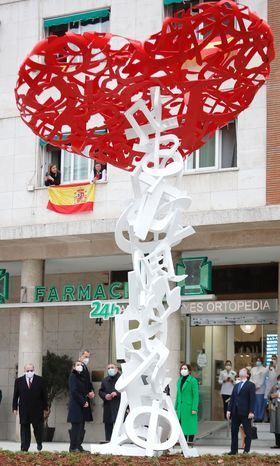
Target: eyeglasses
[(30, 370)]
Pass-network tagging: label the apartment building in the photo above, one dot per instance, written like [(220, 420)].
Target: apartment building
[(234, 185)]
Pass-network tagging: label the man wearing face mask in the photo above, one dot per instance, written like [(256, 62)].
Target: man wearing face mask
[(226, 380), (241, 411), (111, 398), (84, 356), (258, 377), (30, 398)]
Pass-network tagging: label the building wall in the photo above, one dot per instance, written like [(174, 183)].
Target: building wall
[(66, 331), (273, 113), (19, 149)]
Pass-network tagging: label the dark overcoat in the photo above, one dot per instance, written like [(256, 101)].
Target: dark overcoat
[(78, 398), (111, 407), (85, 377), (243, 402), (32, 401)]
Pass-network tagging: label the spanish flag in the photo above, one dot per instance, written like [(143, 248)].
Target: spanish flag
[(71, 198)]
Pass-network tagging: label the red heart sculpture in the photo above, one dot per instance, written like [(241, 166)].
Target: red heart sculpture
[(71, 86)]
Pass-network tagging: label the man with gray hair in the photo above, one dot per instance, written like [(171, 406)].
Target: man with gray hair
[(31, 401)]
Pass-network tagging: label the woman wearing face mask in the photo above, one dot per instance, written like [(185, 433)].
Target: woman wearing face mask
[(226, 380), (111, 398), (258, 377), (77, 407), (274, 396), (186, 404)]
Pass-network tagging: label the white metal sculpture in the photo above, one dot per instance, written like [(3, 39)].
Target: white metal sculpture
[(148, 229)]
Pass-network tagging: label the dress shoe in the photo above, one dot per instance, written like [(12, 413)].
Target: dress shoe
[(81, 450), (39, 446), (245, 452), (275, 446), (74, 450), (231, 453)]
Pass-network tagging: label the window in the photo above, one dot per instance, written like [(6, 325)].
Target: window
[(220, 151), (73, 168), (79, 23), (171, 7)]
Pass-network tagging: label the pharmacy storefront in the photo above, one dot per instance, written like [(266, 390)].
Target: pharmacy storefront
[(213, 331)]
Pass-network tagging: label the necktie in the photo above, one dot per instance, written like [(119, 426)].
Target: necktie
[(29, 383), (240, 385)]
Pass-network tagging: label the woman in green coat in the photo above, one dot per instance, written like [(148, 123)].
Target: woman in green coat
[(186, 404)]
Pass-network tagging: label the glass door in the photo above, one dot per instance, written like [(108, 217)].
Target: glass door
[(210, 347)]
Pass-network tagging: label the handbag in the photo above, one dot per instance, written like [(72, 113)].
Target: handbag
[(254, 431)]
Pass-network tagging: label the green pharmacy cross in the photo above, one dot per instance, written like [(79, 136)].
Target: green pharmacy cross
[(199, 275), (4, 286), (103, 310)]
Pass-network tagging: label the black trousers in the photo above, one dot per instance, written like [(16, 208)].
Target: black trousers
[(226, 399), (25, 435), (277, 439), (236, 421), (76, 434), (108, 431)]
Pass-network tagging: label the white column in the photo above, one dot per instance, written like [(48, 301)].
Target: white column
[(31, 319)]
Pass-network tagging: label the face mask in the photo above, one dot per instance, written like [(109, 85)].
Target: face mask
[(111, 371), (258, 363), (184, 372), (29, 375), (79, 368), (243, 374), (228, 368), (86, 361)]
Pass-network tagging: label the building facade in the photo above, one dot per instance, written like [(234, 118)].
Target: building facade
[(234, 186)]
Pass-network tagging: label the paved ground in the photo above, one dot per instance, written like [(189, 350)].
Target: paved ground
[(59, 447)]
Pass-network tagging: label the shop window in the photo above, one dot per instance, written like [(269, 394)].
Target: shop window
[(245, 280), (220, 151)]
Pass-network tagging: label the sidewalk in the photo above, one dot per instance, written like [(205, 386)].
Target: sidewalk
[(61, 446)]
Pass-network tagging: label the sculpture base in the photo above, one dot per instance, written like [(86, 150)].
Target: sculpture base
[(129, 449)]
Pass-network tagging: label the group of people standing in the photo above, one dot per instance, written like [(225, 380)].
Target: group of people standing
[(81, 393), (30, 401), (242, 396)]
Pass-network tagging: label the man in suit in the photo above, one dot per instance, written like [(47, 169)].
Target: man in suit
[(241, 411), (84, 357), (30, 398), (111, 398)]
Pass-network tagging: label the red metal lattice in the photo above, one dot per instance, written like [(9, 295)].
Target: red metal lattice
[(209, 66)]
